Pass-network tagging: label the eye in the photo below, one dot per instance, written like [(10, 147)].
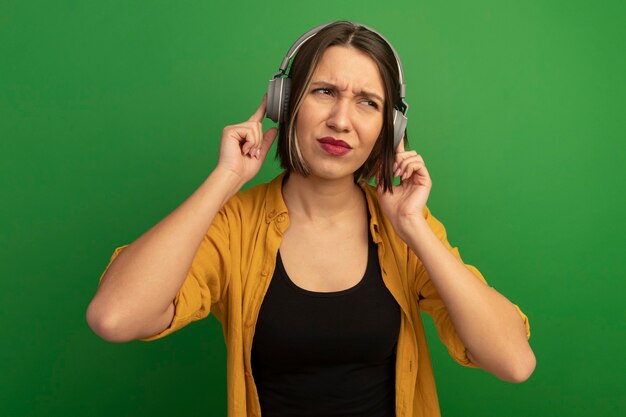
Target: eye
[(371, 103), (325, 91)]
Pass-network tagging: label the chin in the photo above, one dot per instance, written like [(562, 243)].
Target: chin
[(331, 175), (333, 169)]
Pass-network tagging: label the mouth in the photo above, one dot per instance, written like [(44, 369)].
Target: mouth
[(334, 147), (334, 142)]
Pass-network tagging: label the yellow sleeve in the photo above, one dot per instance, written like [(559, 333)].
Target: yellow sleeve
[(206, 280), (431, 303)]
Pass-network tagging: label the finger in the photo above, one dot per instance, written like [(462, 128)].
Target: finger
[(408, 172), (260, 111), (247, 136), (259, 137), (266, 143), (255, 137), (246, 148), (410, 160), (418, 168), (405, 156), (422, 177), (237, 133), (407, 153), (413, 161), (251, 138)]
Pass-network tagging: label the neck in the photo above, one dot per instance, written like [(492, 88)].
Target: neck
[(322, 200)]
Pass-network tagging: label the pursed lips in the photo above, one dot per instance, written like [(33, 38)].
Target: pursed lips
[(335, 142)]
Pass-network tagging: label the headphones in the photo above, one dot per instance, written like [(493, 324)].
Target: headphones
[(280, 86)]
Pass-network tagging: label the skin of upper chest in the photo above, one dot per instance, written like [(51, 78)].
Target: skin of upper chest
[(325, 258)]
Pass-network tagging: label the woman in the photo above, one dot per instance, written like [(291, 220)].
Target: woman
[(317, 277)]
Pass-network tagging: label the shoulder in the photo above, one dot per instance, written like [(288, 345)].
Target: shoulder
[(250, 196), (255, 200)]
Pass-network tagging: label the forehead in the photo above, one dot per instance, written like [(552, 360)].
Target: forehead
[(349, 68)]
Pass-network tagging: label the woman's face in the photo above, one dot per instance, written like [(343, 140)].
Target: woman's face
[(341, 115)]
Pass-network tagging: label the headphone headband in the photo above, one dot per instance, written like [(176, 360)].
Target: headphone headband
[(308, 35)]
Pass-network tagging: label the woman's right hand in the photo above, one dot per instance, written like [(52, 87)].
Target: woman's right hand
[(244, 146)]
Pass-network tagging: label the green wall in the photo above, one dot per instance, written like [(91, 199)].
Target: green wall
[(111, 114)]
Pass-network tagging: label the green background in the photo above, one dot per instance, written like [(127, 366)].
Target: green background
[(111, 114)]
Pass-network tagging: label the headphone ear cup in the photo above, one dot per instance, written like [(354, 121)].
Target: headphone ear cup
[(399, 126), (285, 99), (278, 99), (271, 108)]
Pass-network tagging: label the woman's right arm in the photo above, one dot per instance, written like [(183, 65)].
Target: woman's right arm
[(135, 297)]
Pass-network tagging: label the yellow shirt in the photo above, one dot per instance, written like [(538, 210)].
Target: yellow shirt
[(232, 269)]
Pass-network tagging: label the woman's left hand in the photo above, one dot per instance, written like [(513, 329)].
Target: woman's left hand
[(408, 200)]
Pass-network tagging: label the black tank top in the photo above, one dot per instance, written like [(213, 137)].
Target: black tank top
[(327, 353)]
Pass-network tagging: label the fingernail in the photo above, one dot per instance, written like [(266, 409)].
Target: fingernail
[(398, 171), (395, 166)]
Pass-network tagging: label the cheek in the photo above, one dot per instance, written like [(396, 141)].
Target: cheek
[(303, 118), (373, 129)]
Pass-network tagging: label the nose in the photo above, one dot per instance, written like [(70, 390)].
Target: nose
[(339, 116)]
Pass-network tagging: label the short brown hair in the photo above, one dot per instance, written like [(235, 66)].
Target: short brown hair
[(302, 67)]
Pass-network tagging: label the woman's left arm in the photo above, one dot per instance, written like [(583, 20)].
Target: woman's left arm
[(487, 323)]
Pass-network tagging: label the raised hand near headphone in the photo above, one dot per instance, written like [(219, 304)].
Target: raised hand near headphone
[(408, 200), (244, 146)]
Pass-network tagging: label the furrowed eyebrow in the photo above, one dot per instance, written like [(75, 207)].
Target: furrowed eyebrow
[(362, 93)]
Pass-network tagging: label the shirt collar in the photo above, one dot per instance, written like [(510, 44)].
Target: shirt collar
[(275, 204), (371, 196)]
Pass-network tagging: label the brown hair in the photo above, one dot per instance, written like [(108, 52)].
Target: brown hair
[(302, 67)]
